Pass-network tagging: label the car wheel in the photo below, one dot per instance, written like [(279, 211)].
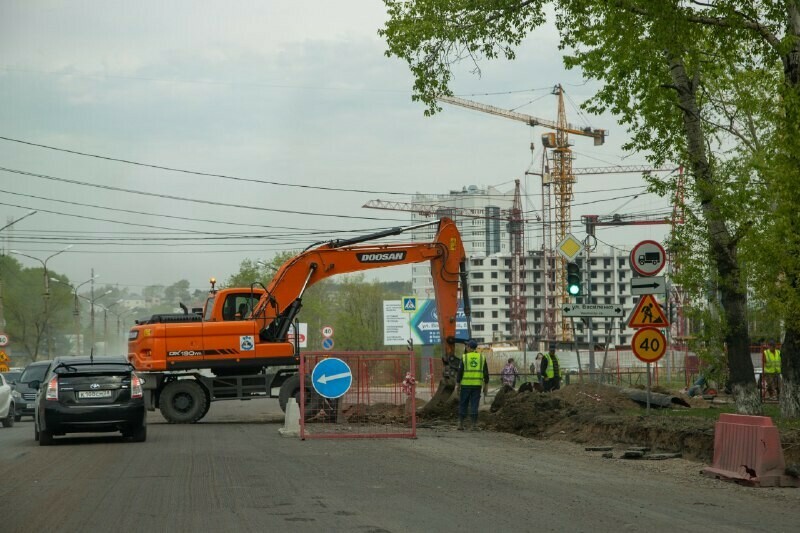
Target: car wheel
[(183, 402), (8, 421), (35, 432), (139, 434), (17, 418), (45, 438)]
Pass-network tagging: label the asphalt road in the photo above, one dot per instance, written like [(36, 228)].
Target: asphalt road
[(234, 472)]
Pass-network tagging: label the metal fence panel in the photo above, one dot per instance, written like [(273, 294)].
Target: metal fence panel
[(381, 400)]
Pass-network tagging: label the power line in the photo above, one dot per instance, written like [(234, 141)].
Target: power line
[(237, 178), (121, 210), (181, 198), (199, 173)]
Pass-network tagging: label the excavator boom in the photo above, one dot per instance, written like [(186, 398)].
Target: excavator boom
[(228, 339)]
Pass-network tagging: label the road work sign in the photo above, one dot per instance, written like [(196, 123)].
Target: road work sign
[(648, 314), (331, 378), (3, 357)]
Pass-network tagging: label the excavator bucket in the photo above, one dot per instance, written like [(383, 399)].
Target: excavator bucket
[(443, 397)]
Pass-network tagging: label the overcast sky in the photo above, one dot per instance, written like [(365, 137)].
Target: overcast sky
[(292, 92)]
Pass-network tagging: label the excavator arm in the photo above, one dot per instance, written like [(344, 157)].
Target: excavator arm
[(282, 302)]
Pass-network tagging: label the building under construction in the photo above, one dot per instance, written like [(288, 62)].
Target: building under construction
[(483, 217)]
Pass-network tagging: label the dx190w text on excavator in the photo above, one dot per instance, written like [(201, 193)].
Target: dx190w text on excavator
[(239, 347)]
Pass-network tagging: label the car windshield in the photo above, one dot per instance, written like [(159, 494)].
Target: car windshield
[(33, 373), (11, 376)]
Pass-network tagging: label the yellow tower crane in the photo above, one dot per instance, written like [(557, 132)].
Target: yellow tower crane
[(556, 184)]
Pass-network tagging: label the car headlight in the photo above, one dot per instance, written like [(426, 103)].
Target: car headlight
[(16, 395)]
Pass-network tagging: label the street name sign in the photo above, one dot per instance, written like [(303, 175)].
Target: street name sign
[(651, 285), (331, 378), (587, 310)]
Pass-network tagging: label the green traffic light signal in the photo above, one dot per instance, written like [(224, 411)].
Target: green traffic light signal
[(573, 279)]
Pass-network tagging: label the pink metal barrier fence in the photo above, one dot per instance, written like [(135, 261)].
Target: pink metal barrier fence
[(381, 400)]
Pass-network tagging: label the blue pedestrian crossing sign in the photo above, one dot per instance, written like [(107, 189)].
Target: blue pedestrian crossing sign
[(409, 304), (331, 378)]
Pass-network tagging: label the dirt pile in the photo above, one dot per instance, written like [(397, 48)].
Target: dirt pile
[(596, 414)]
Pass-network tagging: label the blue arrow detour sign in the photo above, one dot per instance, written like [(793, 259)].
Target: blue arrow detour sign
[(331, 378)]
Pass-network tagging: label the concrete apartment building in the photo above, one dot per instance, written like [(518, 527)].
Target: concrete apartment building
[(478, 214)]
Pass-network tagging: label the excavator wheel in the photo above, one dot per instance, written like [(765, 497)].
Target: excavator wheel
[(291, 389), (183, 402), (208, 405)]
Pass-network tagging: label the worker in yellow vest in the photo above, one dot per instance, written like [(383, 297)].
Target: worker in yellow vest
[(551, 370), (473, 374), (772, 370)]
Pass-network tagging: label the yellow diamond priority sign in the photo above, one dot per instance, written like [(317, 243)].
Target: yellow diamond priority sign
[(570, 247)]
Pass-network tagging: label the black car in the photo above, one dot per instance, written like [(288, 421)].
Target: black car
[(24, 394), (90, 395)]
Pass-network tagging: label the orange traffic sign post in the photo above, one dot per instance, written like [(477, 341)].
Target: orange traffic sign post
[(648, 314), (649, 345)]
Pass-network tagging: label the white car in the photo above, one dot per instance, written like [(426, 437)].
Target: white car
[(6, 403)]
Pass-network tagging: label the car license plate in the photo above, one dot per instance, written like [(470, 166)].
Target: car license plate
[(94, 394)]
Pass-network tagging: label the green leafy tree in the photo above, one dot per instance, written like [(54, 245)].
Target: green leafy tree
[(672, 93), (27, 323), (178, 292)]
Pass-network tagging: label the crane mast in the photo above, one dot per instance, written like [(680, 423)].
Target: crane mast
[(556, 185)]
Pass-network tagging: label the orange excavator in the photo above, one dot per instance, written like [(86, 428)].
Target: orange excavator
[(239, 346)]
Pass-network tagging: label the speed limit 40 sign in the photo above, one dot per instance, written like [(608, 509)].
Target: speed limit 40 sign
[(3, 339), (649, 345)]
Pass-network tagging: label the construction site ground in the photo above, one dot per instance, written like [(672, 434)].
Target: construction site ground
[(593, 414)]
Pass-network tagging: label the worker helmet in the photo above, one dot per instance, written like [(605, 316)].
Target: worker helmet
[(472, 344)]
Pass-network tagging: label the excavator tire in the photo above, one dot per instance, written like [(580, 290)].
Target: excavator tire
[(208, 405), (183, 402), (291, 389)]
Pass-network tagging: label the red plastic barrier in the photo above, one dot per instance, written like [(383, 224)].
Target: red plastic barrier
[(747, 450)]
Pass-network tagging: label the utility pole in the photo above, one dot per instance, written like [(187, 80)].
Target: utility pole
[(91, 311), (46, 295), (2, 314)]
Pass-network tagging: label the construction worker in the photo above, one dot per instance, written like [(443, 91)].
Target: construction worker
[(772, 370), (551, 369), (473, 374)]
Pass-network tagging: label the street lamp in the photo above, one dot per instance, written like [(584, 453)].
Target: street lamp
[(29, 213), (2, 315), (46, 291), (77, 311), (92, 301), (120, 317), (106, 309)]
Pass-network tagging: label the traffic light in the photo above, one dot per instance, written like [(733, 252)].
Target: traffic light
[(573, 279)]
